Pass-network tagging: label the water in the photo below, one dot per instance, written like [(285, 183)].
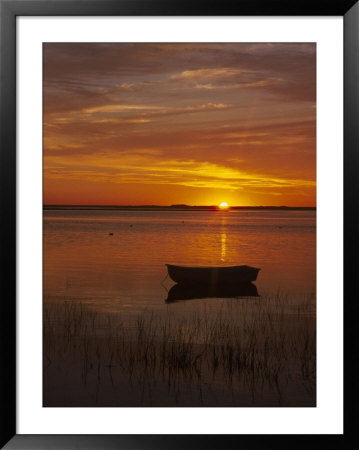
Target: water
[(110, 339), (123, 272)]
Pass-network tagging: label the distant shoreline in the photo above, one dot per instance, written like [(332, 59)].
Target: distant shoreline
[(174, 208)]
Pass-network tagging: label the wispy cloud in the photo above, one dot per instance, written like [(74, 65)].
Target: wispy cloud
[(140, 113), (147, 170), (200, 116)]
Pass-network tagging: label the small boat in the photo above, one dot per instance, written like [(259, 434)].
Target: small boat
[(193, 291), (212, 275)]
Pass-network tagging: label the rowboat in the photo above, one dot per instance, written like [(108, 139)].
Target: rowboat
[(192, 291), (212, 275)]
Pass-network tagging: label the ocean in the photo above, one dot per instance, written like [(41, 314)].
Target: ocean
[(112, 339), (115, 260)]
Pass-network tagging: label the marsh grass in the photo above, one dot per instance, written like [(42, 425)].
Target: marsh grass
[(263, 349)]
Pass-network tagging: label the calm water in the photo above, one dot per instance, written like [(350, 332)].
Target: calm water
[(123, 272), (205, 352)]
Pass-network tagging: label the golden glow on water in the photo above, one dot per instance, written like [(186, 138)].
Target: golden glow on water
[(104, 271), (223, 246), (116, 260)]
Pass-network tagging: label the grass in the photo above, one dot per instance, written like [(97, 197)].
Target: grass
[(262, 348)]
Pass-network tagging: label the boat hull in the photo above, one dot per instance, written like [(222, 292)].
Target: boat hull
[(212, 275)]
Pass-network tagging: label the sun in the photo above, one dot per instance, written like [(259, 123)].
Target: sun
[(224, 205)]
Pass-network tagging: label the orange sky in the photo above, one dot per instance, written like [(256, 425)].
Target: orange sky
[(137, 124)]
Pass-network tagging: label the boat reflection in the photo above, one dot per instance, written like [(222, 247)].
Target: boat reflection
[(183, 291)]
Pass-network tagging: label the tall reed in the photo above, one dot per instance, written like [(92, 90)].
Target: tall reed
[(263, 345)]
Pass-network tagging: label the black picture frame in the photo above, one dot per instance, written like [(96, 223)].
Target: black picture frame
[(9, 10)]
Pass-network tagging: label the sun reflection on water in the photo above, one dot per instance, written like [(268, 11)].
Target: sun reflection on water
[(223, 246)]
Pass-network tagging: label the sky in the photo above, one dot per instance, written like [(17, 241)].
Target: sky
[(196, 124)]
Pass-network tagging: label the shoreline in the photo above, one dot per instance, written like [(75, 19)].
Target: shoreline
[(174, 208)]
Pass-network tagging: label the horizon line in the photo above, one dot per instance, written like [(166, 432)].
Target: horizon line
[(171, 206)]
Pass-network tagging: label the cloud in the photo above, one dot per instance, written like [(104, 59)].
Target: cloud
[(200, 74), (145, 169), (232, 115), (90, 74), (112, 114), (120, 108)]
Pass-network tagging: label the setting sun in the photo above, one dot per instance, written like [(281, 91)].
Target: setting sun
[(224, 205)]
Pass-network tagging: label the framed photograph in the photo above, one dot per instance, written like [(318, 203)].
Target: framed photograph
[(173, 188)]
